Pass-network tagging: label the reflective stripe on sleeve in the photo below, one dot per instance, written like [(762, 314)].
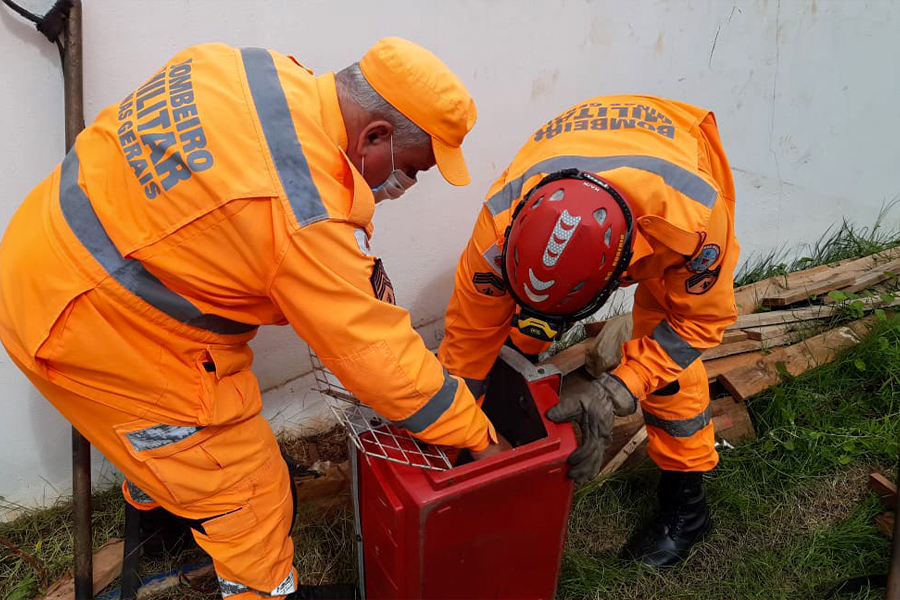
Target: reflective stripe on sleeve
[(432, 410), (682, 353)]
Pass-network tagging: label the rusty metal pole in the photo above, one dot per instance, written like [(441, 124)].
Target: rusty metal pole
[(73, 85)]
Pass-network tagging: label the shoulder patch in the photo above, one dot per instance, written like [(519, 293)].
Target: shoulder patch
[(489, 284), (702, 282), (381, 283), (705, 259)]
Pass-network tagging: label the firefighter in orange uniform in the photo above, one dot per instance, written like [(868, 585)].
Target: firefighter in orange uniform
[(232, 189), (615, 191)]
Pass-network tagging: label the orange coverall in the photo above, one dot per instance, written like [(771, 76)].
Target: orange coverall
[(214, 199), (666, 157)]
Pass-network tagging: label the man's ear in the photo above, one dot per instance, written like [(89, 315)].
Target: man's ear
[(373, 135)]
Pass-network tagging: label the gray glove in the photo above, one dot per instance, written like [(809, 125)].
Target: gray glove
[(593, 404)]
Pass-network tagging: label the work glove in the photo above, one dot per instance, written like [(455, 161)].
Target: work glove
[(594, 405), (606, 352)]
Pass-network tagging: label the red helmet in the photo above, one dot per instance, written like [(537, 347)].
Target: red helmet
[(567, 246)]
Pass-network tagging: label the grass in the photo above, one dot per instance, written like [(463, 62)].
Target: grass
[(792, 513)]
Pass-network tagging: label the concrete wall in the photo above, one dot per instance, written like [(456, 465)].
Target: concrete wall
[(799, 88)]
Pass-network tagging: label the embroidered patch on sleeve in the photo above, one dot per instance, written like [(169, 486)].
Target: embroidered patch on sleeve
[(381, 283), (701, 282), (489, 284), (703, 261)]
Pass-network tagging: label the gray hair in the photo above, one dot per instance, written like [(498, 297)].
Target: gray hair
[(352, 85)]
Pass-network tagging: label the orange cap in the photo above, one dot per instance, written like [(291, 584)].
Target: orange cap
[(425, 90)]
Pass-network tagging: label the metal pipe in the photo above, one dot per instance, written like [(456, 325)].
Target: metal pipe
[(73, 85)]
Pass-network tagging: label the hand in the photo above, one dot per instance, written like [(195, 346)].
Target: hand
[(493, 448), (593, 404)]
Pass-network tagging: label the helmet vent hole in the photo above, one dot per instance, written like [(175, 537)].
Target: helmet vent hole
[(516, 256), (537, 203), (602, 260), (607, 237), (600, 216), (557, 195), (576, 288)]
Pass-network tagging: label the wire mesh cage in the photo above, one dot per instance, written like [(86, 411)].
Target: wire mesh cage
[(371, 433)]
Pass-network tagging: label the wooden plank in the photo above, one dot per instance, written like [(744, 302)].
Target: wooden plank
[(717, 366), (571, 358), (885, 523), (769, 332), (732, 421), (884, 489), (803, 291), (781, 317), (876, 275), (743, 382), (625, 452), (729, 349), (107, 565), (735, 335), (749, 296)]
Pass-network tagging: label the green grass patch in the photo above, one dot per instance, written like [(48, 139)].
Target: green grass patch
[(791, 509), (848, 240)]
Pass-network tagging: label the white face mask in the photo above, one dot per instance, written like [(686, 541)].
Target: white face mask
[(396, 183)]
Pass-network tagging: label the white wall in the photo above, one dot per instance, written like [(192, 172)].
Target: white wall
[(804, 90)]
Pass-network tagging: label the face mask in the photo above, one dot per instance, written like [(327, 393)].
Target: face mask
[(396, 183)]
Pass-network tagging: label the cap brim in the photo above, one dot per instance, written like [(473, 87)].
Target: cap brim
[(450, 162)]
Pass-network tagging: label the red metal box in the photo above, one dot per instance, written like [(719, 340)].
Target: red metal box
[(494, 528)]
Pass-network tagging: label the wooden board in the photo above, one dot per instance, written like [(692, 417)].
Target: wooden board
[(730, 349), (745, 381), (885, 523), (801, 292), (884, 489), (782, 317), (878, 274), (571, 358), (732, 336), (717, 366), (769, 332), (748, 297), (107, 566)]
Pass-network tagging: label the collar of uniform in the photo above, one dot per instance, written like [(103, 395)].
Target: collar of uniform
[(332, 119)]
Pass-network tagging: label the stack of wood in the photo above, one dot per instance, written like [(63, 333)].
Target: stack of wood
[(785, 326)]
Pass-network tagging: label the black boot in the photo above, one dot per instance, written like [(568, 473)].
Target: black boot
[(682, 520), (337, 591)]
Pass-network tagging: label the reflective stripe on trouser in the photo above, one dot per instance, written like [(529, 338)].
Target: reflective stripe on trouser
[(680, 432), (230, 476)]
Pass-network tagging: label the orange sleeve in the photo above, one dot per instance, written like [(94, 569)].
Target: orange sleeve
[(480, 309), (698, 305), (324, 285)]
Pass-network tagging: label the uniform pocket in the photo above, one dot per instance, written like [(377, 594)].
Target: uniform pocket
[(229, 391), (191, 462)]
